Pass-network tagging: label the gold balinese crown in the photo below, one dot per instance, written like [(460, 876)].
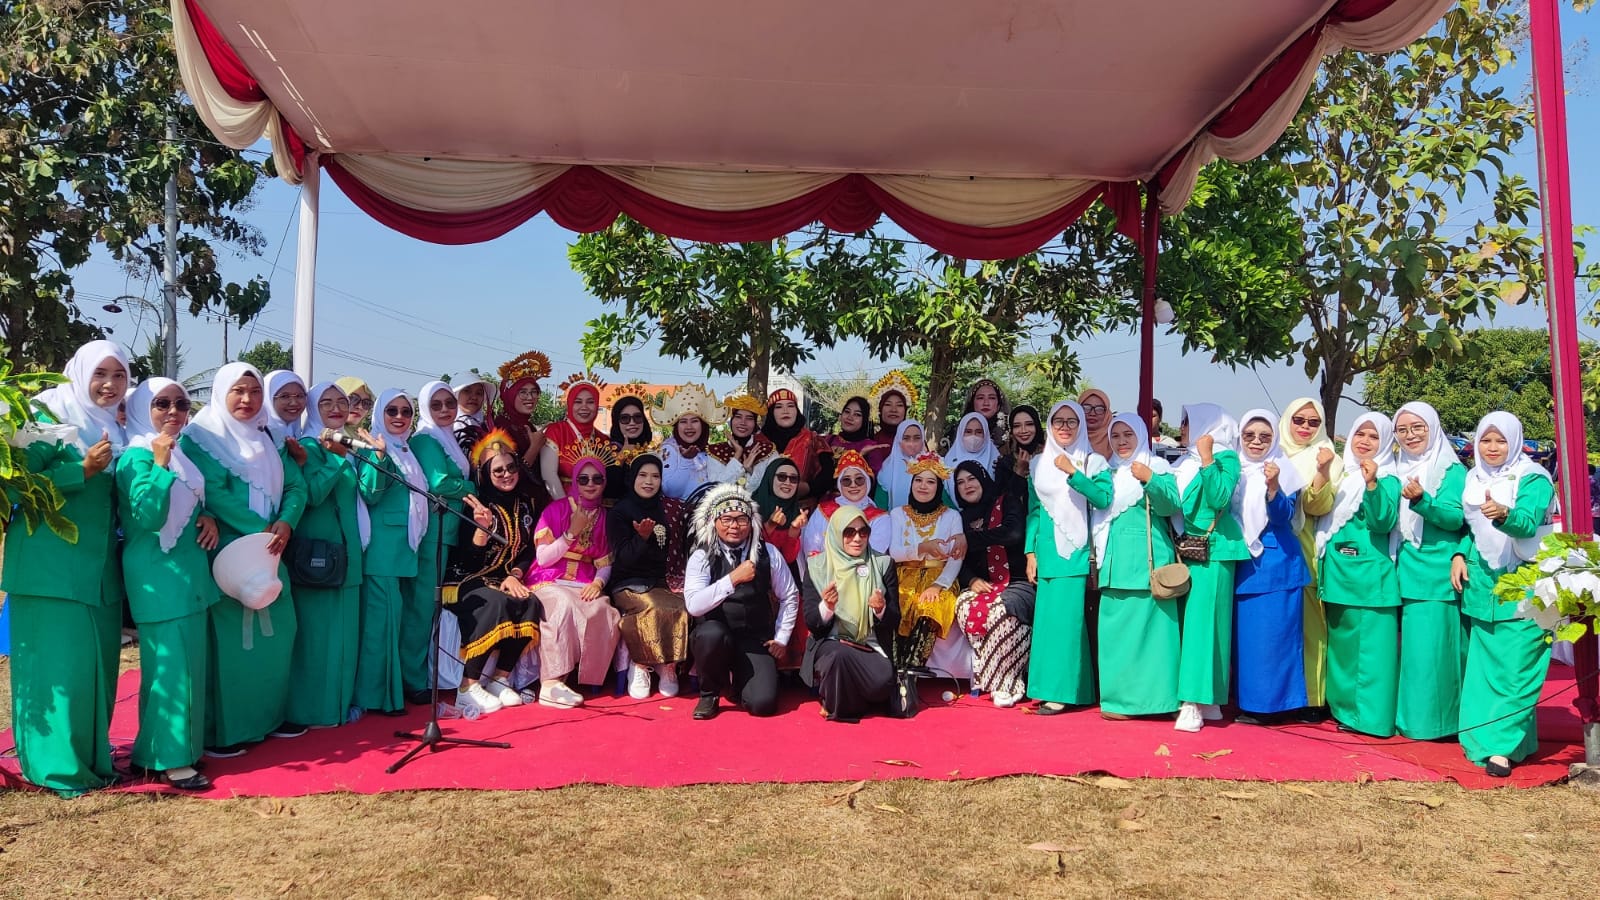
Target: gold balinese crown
[(898, 382), (532, 364), (928, 462), (593, 447), (744, 402), (578, 379)]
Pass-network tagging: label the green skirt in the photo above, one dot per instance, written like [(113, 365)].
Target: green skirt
[(251, 654), (1139, 649), (322, 679), (1059, 667), (63, 686), (1207, 654), (172, 692), (1315, 631), (1433, 655), (1506, 667), (378, 677), (416, 620), (1364, 666)]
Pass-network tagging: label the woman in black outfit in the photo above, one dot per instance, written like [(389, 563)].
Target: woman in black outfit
[(995, 609)]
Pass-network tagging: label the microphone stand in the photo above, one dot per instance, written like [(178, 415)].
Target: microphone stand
[(431, 738)]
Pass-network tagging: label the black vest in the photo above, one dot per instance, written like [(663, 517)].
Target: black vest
[(748, 610)]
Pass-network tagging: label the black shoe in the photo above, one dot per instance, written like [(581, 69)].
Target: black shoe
[(922, 672), (226, 751), (420, 698), (707, 708), (392, 713), (1050, 708), (1312, 715), (289, 730), (195, 782), (1497, 769)]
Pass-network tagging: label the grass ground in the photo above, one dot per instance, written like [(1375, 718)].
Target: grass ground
[(1102, 837)]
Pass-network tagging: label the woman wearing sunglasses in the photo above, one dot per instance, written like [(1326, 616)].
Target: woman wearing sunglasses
[(1303, 435), (251, 486), (165, 538), (399, 518), (853, 479), (777, 498), (631, 435), (361, 400), (1068, 479), (1097, 420), (852, 612)]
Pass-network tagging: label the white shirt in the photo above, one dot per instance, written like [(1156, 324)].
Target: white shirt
[(701, 595), (680, 476), (904, 540)]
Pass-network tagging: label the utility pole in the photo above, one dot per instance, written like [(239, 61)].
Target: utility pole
[(169, 270)]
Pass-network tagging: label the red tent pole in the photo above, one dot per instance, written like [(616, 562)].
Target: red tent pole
[(1555, 192), (1150, 248)]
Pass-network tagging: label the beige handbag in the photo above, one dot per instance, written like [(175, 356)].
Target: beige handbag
[(1171, 581)]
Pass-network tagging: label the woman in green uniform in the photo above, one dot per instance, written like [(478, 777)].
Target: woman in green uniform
[(1139, 645), (1359, 585), (1433, 636), (1507, 502), (1067, 479), (251, 486), (1207, 476), (165, 539), (65, 598), (322, 680)]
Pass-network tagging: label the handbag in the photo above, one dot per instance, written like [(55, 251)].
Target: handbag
[(316, 563), (1196, 548), (1171, 581)]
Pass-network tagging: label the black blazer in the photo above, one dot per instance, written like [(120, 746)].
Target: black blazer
[(811, 607)]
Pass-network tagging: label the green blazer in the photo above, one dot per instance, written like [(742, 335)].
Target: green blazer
[(41, 564), (1208, 499), (1425, 570), (1534, 494), (331, 497), (1126, 566), (1356, 569), (389, 552), (445, 480), (163, 585), (1041, 538), (228, 497)]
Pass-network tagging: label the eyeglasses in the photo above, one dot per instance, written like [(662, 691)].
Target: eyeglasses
[(292, 398), (500, 471), (1060, 424), (786, 478), (1304, 422), (447, 403), (733, 520), (333, 404), (858, 481), (163, 404), (1404, 430), (399, 412), (1094, 407), (589, 479), (529, 392), (631, 418), (1253, 437), (854, 532)]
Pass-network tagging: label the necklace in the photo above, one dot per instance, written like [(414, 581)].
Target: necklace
[(924, 522)]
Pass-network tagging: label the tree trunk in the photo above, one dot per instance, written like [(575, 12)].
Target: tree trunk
[(760, 347), (1335, 375), (941, 378)]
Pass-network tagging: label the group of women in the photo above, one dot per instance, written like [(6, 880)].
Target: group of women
[(1052, 558)]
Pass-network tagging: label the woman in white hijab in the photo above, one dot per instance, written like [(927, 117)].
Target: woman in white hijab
[(1303, 437), (1068, 479), (1269, 585), (286, 404), (165, 538), (1207, 476), (251, 486), (1355, 548), (972, 441), (65, 598), (1508, 501), (894, 479), (399, 521), (1433, 636)]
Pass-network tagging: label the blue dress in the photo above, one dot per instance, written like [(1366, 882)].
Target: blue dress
[(1269, 601)]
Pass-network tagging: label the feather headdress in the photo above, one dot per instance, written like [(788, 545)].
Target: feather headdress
[(493, 442), (718, 502)]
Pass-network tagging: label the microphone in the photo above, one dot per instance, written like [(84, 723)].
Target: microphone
[(339, 437)]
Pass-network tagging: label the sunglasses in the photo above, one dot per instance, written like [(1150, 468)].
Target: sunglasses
[(589, 479), (786, 478), (631, 418), (361, 403), (857, 481), (1304, 422), (503, 470), (399, 412), (163, 404), (442, 404), (854, 532), (1254, 438)]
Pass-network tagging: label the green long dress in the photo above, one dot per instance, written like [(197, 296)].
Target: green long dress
[(250, 651), (66, 615), (1507, 657), (1314, 503), (416, 617), (1361, 591), (322, 677), (1059, 665), (1206, 659), (1139, 635), (389, 568), (1433, 635), (169, 593)]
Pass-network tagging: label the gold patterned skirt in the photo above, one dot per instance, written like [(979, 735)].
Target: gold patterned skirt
[(916, 577)]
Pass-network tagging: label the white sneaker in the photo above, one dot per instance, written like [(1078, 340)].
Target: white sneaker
[(1211, 712), (1189, 718), (639, 681), (1004, 700), (503, 692), (668, 673), (482, 699), (558, 695)]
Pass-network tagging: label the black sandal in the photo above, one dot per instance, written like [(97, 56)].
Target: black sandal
[(195, 782)]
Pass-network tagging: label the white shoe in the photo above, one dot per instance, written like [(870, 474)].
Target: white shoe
[(1189, 718), (504, 692), (482, 699), (558, 695), (1004, 700), (639, 681), (1211, 712), (669, 679)]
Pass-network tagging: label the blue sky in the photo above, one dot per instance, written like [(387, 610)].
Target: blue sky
[(398, 312)]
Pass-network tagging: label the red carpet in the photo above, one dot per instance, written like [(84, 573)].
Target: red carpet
[(655, 743)]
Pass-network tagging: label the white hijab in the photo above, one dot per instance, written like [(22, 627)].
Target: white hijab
[(1250, 495), (245, 449), (864, 502), (491, 392), (71, 404), (1500, 483), (445, 437), (892, 475), (399, 450), (189, 486), (986, 454), (1126, 489), (1352, 486), (1069, 510), (1428, 467), (282, 429), (314, 428), (1205, 418)]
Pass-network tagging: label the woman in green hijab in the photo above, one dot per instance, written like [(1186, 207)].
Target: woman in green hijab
[(850, 595)]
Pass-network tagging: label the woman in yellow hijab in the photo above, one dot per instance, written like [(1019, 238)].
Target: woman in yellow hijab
[(1303, 437)]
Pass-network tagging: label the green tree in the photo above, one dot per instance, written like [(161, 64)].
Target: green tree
[(267, 356), (86, 93), (153, 360), (32, 496)]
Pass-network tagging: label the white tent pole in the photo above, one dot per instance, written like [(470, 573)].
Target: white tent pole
[(305, 269)]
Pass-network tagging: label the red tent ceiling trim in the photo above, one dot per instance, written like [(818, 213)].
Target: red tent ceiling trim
[(453, 200)]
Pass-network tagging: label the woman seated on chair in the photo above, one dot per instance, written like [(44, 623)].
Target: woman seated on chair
[(852, 611), (647, 548)]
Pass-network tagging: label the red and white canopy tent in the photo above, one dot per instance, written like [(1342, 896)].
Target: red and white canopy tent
[(982, 127)]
